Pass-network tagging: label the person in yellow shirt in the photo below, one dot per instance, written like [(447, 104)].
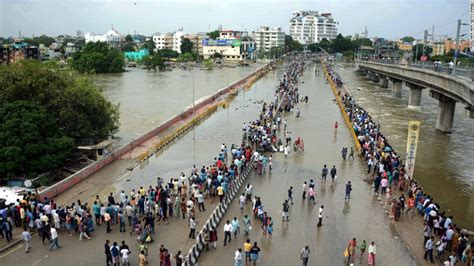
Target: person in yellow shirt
[(142, 259), (247, 247), (220, 192)]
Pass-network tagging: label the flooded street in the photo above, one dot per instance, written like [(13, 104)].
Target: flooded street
[(149, 98), (362, 217), (444, 163)]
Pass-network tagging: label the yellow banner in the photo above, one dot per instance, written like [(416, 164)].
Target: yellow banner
[(412, 143)]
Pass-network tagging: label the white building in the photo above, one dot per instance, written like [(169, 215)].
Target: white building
[(230, 49), (267, 37), (308, 26), (171, 41), (112, 37), (472, 25)]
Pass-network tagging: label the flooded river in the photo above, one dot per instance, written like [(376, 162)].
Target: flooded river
[(444, 163), (149, 98)]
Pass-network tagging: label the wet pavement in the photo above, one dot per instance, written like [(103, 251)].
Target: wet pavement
[(361, 217)]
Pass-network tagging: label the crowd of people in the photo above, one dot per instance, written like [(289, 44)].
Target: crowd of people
[(388, 174)]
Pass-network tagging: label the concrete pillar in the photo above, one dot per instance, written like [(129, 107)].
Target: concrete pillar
[(445, 120), (384, 82), (397, 88), (375, 78), (470, 112), (414, 98), (447, 106), (369, 75)]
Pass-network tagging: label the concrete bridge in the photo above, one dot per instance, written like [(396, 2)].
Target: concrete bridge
[(448, 90)]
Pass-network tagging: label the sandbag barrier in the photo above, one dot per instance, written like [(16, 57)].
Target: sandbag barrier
[(341, 106), (217, 215)]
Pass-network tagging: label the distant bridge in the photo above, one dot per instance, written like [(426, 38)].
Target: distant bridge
[(446, 89)]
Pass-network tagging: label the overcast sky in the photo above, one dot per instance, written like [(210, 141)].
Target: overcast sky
[(383, 18)]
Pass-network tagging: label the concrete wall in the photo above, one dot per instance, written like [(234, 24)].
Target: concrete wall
[(65, 184)]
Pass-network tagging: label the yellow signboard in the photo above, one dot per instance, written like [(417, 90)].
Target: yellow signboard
[(412, 143)]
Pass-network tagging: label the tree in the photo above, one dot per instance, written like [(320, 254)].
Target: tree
[(214, 34), (129, 47), (187, 57), (325, 44), (292, 45), (208, 64), (154, 62), (128, 38), (30, 140), (167, 53), (341, 44), (362, 42), (407, 39), (427, 50), (313, 47), (98, 57), (81, 111), (186, 46), (150, 45), (43, 39)]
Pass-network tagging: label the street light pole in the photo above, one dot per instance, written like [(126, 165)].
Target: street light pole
[(456, 52)]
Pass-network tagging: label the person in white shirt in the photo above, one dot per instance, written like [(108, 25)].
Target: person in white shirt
[(54, 239), (227, 232), (238, 257), (242, 201), (320, 215), (26, 236), (372, 250), (124, 253)]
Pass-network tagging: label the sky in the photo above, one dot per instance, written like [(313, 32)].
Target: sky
[(384, 18)]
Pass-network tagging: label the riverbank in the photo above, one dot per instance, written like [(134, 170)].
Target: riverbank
[(406, 227)]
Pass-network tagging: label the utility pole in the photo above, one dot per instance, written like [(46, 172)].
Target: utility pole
[(425, 40), (432, 34), (456, 52)]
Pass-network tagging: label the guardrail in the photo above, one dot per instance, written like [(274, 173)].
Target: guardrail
[(216, 216), (335, 90), (460, 71)]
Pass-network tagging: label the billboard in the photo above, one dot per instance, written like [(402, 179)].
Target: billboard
[(222, 42), (412, 142)]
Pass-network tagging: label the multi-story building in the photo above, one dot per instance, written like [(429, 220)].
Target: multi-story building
[(451, 45), (197, 40), (438, 48), (308, 26), (230, 49), (267, 37), (112, 37), (171, 41)]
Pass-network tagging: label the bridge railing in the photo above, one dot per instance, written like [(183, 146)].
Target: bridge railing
[(461, 71)]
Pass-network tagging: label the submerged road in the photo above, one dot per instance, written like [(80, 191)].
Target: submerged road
[(361, 217)]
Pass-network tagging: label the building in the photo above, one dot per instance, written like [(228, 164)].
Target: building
[(171, 41), (472, 25), (17, 51), (405, 46), (163, 41), (231, 34), (112, 37), (308, 26), (136, 55), (451, 45), (197, 40), (438, 48), (230, 49), (266, 38)]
